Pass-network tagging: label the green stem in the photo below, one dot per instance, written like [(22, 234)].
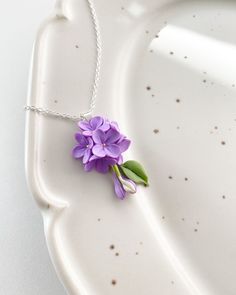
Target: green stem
[(116, 170)]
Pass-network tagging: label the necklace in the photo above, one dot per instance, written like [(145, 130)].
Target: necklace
[(99, 142)]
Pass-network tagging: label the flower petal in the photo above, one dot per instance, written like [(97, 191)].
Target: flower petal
[(96, 122), (110, 161), (112, 150), (112, 136), (84, 125), (87, 155), (99, 136), (119, 190), (88, 132), (89, 166), (115, 126), (81, 139), (93, 157), (105, 126), (124, 144), (98, 150), (90, 142), (78, 152), (128, 185), (102, 166), (119, 160)]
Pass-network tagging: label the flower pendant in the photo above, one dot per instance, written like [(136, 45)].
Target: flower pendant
[(100, 146)]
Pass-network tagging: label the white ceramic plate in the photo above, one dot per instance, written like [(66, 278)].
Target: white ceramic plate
[(168, 77)]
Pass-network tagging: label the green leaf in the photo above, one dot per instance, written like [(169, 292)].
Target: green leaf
[(131, 175), (134, 171)]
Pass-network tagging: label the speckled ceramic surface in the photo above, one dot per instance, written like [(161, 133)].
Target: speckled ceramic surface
[(168, 77)]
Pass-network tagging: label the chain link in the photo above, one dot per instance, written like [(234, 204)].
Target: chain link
[(84, 115)]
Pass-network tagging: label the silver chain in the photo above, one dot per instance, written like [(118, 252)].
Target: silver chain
[(83, 115)]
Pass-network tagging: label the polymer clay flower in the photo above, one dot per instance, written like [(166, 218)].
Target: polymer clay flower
[(119, 190), (122, 185), (84, 148), (100, 145), (88, 127), (106, 144), (101, 165)]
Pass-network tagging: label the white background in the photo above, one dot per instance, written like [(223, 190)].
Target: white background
[(25, 266)]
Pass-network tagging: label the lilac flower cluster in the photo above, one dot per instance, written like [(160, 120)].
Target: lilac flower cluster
[(100, 144)]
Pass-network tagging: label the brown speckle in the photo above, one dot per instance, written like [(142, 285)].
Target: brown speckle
[(185, 57), (171, 52), (156, 131), (186, 178), (56, 101), (117, 254), (183, 219), (223, 142), (177, 100), (195, 230), (147, 32), (157, 36), (76, 46), (178, 127), (215, 127), (197, 222), (113, 282), (136, 253), (163, 217), (204, 81), (223, 197), (170, 177), (148, 88), (153, 95), (112, 247), (99, 219)]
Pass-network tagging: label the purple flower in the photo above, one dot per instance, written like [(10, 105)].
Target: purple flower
[(114, 126), (119, 190), (106, 143), (100, 144), (84, 148), (101, 165), (123, 186), (88, 127), (123, 143)]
